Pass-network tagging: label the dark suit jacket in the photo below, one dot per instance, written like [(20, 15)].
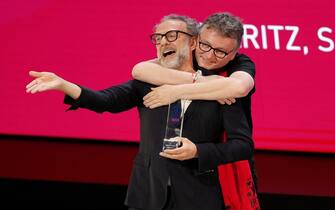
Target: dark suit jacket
[(194, 182)]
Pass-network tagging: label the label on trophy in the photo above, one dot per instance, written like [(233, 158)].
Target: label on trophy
[(174, 126)]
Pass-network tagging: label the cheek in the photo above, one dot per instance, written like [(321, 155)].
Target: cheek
[(158, 50), (198, 56), (201, 60), (205, 60), (203, 56)]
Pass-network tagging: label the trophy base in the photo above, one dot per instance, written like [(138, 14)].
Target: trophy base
[(171, 144)]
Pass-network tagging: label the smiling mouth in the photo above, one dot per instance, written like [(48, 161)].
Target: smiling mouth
[(168, 52)]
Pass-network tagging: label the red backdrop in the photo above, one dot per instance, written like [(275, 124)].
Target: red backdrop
[(96, 43)]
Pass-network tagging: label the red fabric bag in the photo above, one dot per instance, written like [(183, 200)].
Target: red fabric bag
[(238, 187)]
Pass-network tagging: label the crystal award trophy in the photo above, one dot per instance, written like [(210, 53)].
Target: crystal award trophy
[(174, 126)]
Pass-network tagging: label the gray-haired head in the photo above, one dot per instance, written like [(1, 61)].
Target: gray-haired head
[(227, 24), (191, 24)]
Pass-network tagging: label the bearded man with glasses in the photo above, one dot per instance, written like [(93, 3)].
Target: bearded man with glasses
[(216, 53)]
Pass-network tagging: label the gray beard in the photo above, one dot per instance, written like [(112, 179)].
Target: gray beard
[(180, 59), (173, 64)]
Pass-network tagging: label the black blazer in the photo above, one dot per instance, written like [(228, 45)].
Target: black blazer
[(194, 182)]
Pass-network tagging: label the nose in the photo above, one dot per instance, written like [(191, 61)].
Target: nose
[(164, 41), (209, 56)]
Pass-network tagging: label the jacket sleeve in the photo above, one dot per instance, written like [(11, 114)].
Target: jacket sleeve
[(114, 99), (238, 145)]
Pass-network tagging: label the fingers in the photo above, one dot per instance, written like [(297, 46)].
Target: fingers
[(152, 101), (33, 88), (176, 151), (221, 101), (149, 100), (227, 101), (37, 87), (173, 155), (34, 82), (181, 153), (230, 101), (152, 104), (35, 74), (148, 96), (163, 154), (42, 88)]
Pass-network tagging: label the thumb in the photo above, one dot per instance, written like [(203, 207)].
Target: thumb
[(180, 139), (35, 74)]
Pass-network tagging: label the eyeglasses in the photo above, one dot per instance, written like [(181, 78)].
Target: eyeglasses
[(217, 52), (170, 36)]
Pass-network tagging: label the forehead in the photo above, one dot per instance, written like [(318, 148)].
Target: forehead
[(168, 25), (216, 39)]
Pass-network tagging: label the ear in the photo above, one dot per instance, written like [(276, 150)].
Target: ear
[(193, 43), (233, 54)]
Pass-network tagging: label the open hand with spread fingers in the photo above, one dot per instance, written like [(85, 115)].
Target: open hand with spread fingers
[(44, 81)]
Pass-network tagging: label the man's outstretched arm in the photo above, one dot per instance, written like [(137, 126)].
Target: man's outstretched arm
[(114, 99), (44, 81)]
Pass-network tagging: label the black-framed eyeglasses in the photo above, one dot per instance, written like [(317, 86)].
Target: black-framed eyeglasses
[(217, 52), (170, 36)]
